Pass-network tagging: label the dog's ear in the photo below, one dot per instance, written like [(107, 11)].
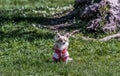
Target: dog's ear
[(57, 34), (67, 35)]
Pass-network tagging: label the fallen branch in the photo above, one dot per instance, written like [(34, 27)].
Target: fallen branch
[(107, 38), (114, 36)]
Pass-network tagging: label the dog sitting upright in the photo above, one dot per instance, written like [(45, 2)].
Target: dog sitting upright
[(60, 48)]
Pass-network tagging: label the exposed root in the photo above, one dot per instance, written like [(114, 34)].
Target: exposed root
[(114, 36), (107, 38)]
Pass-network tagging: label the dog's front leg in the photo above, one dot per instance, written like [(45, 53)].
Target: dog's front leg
[(68, 60)]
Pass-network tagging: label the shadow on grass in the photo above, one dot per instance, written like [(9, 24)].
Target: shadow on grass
[(30, 36), (40, 19), (44, 21)]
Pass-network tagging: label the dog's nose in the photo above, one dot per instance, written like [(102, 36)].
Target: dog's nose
[(63, 42)]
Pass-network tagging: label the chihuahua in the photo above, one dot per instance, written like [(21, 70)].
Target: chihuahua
[(60, 48)]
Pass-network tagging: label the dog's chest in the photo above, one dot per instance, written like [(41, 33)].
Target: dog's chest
[(61, 54)]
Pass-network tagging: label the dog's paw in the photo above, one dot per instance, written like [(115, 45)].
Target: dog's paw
[(70, 59)]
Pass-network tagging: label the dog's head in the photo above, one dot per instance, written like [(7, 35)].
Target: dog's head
[(62, 41)]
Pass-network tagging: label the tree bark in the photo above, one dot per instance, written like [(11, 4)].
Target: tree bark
[(103, 15)]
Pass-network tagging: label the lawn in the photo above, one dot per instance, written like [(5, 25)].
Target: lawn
[(26, 50)]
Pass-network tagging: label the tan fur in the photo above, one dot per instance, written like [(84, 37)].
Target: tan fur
[(62, 42)]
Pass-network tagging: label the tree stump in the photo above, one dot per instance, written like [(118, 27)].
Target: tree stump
[(102, 15)]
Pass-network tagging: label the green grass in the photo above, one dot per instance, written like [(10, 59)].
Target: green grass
[(34, 3), (33, 8), (27, 51)]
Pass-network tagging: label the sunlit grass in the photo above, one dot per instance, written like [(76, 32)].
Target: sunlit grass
[(33, 3), (34, 8), (27, 51)]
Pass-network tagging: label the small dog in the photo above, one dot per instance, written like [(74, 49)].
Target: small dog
[(60, 48)]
